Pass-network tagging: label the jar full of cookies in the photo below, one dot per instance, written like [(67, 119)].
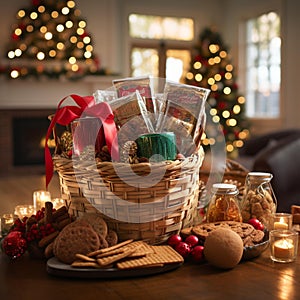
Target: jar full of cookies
[(259, 200), (224, 204)]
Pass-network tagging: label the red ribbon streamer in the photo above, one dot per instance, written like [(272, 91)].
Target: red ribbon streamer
[(86, 107)]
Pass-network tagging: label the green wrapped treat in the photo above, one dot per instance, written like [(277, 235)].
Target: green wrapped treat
[(157, 146)]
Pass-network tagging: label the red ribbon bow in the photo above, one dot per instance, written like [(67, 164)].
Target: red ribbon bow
[(65, 115)]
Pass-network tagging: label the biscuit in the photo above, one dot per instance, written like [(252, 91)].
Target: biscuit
[(100, 251), (162, 254), (97, 222), (247, 232), (75, 239), (108, 260), (103, 242), (82, 257), (111, 238), (85, 264), (49, 250)]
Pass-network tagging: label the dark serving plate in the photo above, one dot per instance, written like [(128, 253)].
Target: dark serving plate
[(57, 268), (256, 250)]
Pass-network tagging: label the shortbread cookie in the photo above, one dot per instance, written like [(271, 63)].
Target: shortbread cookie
[(163, 254)]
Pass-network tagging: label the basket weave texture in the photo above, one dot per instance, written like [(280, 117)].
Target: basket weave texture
[(159, 206)]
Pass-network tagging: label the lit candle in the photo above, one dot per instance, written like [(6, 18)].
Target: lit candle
[(281, 224), (283, 245), (24, 211), (39, 199), (58, 202), (284, 249), (7, 221)]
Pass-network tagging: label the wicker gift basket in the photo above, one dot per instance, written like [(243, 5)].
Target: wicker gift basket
[(147, 200), (97, 187)]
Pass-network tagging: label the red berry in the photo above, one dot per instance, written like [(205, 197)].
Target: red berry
[(183, 249), (14, 244), (256, 224), (174, 240), (197, 253), (192, 240)]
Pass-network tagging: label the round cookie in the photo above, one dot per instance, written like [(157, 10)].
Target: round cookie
[(103, 242), (223, 248), (75, 239), (97, 222), (112, 238)]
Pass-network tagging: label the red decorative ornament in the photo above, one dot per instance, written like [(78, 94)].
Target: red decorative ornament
[(35, 2), (192, 240), (198, 58), (221, 105), (183, 249), (236, 134), (256, 224), (14, 244), (197, 253), (235, 86), (174, 240), (84, 34), (15, 37)]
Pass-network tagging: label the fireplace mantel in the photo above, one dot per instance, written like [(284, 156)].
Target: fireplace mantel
[(46, 93)]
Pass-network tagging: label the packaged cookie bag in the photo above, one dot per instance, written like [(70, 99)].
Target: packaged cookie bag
[(183, 113), (131, 117), (127, 86)]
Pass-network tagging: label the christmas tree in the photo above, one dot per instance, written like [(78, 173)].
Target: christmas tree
[(50, 38), (211, 68)]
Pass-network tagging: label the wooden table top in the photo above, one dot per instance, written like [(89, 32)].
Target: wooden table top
[(259, 278)]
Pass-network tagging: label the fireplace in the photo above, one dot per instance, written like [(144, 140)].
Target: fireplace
[(28, 140), (22, 134)]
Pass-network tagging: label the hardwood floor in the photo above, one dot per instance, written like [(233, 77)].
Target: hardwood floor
[(16, 190)]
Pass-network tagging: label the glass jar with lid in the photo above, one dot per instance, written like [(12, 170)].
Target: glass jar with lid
[(258, 200), (224, 204)]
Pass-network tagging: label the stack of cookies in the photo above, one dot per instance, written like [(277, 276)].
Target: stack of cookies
[(86, 234), (247, 232), (128, 255), (88, 243)]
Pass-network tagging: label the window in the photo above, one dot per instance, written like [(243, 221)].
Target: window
[(263, 73), (160, 46)]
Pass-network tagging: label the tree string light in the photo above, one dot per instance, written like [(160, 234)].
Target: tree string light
[(211, 68), (50, 33)]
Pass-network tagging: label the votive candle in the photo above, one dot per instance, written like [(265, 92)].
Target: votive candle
[(40, 198), (7, 220), (282, 221), (283, 245), (58, 202), (24, 211)]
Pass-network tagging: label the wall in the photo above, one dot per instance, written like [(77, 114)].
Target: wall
[(107, 22), (237, 11)]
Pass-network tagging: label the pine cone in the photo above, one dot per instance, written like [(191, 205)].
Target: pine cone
[(104, 154), (66, 142), (129, 152)]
